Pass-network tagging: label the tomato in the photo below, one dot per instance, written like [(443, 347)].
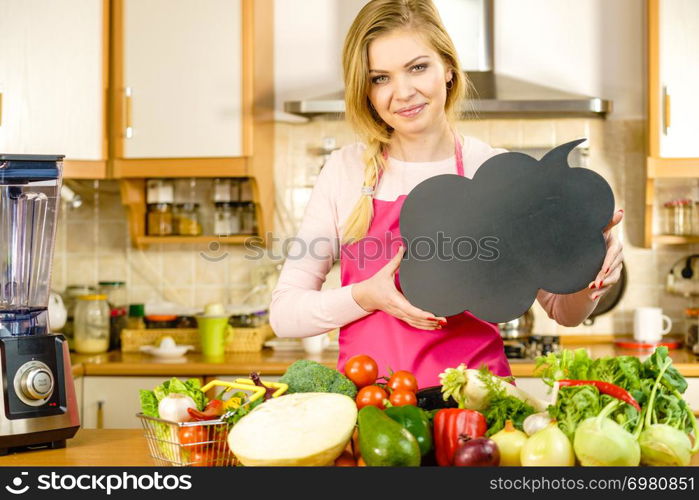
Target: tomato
[(371, 395), (401, 397), (202, 458), (403, 380), (193, 435), (362, 370), (361, 462)]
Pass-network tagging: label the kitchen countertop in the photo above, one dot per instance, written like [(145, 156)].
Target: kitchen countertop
[(127, 447), (270, 362)]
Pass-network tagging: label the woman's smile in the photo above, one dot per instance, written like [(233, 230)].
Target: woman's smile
[(412, 111)]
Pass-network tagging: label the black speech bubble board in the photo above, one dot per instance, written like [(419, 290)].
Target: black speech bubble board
[(488, 244)]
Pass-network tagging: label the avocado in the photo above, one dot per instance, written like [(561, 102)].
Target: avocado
[(384, 442)]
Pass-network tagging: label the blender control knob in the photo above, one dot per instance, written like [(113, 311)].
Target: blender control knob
[(37, 383)]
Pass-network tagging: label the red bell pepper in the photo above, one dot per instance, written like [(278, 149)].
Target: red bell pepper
[(214, 409), (449, 424), (605, 388)]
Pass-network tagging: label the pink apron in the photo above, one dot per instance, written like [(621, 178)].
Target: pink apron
[(395, 344)]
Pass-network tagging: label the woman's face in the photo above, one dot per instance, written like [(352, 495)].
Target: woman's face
[(407, 82)]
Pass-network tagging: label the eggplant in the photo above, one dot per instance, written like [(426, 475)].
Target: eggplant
[(430, 398)]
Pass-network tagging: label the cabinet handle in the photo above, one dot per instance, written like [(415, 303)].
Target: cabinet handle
[(128, 131), (666, 110), (100, 414)]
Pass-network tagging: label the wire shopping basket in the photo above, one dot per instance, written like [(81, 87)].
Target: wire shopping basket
[(182, 444)]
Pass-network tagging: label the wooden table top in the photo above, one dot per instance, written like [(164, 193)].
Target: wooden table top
[(101, 447), (90, 448)]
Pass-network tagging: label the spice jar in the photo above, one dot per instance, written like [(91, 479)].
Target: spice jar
[(248, 222), (691, 327), (227, 219), (91, 324), (115, 291), (160, 219), (678, 217), (187, 219)]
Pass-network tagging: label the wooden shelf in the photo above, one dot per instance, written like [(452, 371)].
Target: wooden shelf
[(84, 169), (671, 239), (225, 240), (182, 167), (673, 168)]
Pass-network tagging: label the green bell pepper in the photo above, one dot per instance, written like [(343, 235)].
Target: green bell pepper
[(416, 421)]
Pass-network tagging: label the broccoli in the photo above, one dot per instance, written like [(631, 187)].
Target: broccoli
[(309, 376)]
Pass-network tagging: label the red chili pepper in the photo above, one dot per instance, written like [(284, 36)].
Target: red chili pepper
[(605, 388), (449, 424), (212, 411)]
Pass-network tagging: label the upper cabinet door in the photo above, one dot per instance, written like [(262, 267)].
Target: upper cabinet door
[(679, 78), (52, 77), (182, 88)]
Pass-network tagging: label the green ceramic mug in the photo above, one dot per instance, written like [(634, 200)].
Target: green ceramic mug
[(213, 334)]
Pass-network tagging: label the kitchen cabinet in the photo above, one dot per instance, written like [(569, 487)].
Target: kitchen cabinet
[(53, 81), (673, 104), (192, 95), (182, 75), (113, 402)]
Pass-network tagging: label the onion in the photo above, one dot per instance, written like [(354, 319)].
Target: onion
[(479, 452), (173, 407), (510, 442), (548, 447), (535, 422)]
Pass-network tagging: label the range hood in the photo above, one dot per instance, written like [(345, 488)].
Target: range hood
[(493, 94)]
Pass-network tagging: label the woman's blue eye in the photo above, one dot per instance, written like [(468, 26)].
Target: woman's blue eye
[(423, 66), (376, 79)]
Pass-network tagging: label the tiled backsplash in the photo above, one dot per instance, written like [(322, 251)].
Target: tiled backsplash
[(93, 244)]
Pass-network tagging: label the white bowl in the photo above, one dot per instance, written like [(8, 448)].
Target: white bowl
[(173, 352)]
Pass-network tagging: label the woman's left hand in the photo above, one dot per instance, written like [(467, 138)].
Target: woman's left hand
[(613, 261)]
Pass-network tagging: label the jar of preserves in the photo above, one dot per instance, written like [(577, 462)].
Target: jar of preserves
[(248, 222), (92, 319)]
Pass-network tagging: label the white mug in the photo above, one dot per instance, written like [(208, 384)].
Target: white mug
[(315, 344), (648, 324)]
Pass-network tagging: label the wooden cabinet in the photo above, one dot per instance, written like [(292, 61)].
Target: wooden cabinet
[(192, 95), (182, 79), (673, 103), (53, 81), (113, 402)]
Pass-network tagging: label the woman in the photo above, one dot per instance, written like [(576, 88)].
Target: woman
[(402, 83)]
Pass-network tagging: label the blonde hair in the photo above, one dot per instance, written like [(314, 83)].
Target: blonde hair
[(377, 18)]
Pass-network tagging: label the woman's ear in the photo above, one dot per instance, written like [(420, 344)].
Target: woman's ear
[(450, 75)]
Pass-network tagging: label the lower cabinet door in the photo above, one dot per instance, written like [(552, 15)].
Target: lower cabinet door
[(113, 402)]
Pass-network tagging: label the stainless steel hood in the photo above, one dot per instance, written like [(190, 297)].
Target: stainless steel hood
[(495, 94), (500, 95)]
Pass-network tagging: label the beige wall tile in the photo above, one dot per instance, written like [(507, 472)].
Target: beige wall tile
[(81, 237), (506, 134), (81, 269), (111, 237), (570, 129), (112, 268), (178, 268), (538, 133)]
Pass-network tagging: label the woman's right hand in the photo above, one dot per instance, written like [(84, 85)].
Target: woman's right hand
[(380, 293)]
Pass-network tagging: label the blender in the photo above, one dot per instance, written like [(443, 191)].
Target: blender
[(38, 406)]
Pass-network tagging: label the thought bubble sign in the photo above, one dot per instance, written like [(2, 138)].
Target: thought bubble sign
[(488, 244)]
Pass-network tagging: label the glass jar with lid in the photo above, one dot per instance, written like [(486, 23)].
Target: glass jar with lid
[(248, 219), (92, 318), (227, 219), (116, 294), (187, 219), (160, 219)]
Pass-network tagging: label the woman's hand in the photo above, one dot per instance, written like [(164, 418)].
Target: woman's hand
[(380, 293), (611, 269)]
